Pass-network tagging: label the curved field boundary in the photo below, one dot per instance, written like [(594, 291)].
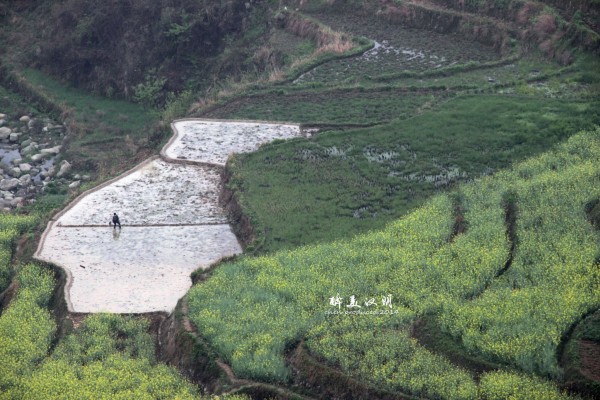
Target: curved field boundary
[(146, 266), (37, 254)]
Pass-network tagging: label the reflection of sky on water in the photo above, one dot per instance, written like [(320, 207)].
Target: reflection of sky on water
[(135, 269)]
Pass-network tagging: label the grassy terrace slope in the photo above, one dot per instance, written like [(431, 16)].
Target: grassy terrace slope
[(347, 181), (510, 299), (407, 202), (397, 128)]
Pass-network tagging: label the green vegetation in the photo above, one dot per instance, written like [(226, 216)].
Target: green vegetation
[(345, 182), (11, 227), (253, 309), (413, 202), (554, 278), (107, 357), (103, 130), (362, 107), (26, 330), (14, 106)]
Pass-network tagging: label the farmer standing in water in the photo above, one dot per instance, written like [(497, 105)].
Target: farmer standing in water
[(115, 221)]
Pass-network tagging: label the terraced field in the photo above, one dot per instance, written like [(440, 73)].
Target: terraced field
[(425, 225), (173, 223), (396, 49)]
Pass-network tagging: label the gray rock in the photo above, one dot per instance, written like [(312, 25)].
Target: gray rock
[(74, 185), (16, 172), (25, 167), (52, 150), (17, 202), (85, 178), (25, 180), (31, 148), (5, 132), (77, 177), (2, 116), (25, 118), (2, 122), (9, 184), (65, 168), (51, 171), (56, 128), (26, 143), (17, 161), (37, 157), (14, 136)]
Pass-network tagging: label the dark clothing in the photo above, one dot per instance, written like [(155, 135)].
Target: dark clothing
[(116, 221)]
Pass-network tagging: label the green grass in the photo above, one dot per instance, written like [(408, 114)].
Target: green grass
[(108, 357), (107, 133), (14, 106), (11, 227), (26, 329), (90, 108), (325, 107), (342, 183)]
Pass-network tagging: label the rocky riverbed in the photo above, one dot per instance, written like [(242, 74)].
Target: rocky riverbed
[(30, 159)]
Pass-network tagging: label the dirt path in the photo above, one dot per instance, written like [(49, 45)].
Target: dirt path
[(172, 222)]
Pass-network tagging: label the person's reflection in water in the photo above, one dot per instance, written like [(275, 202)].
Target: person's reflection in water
[(116, 234)]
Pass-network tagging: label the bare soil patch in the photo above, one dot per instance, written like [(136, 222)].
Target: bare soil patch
[(135, 269), (214, 141)]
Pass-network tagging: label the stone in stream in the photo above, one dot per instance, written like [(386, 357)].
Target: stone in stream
[(14, 136), (30, 148), (5, 133), (65, 168), (25, 167), (9, 184), (74, 185), (25, 180), (51, 171), (52, 150), (38, 157), (25, 118), (15, 172), (17, 201)]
